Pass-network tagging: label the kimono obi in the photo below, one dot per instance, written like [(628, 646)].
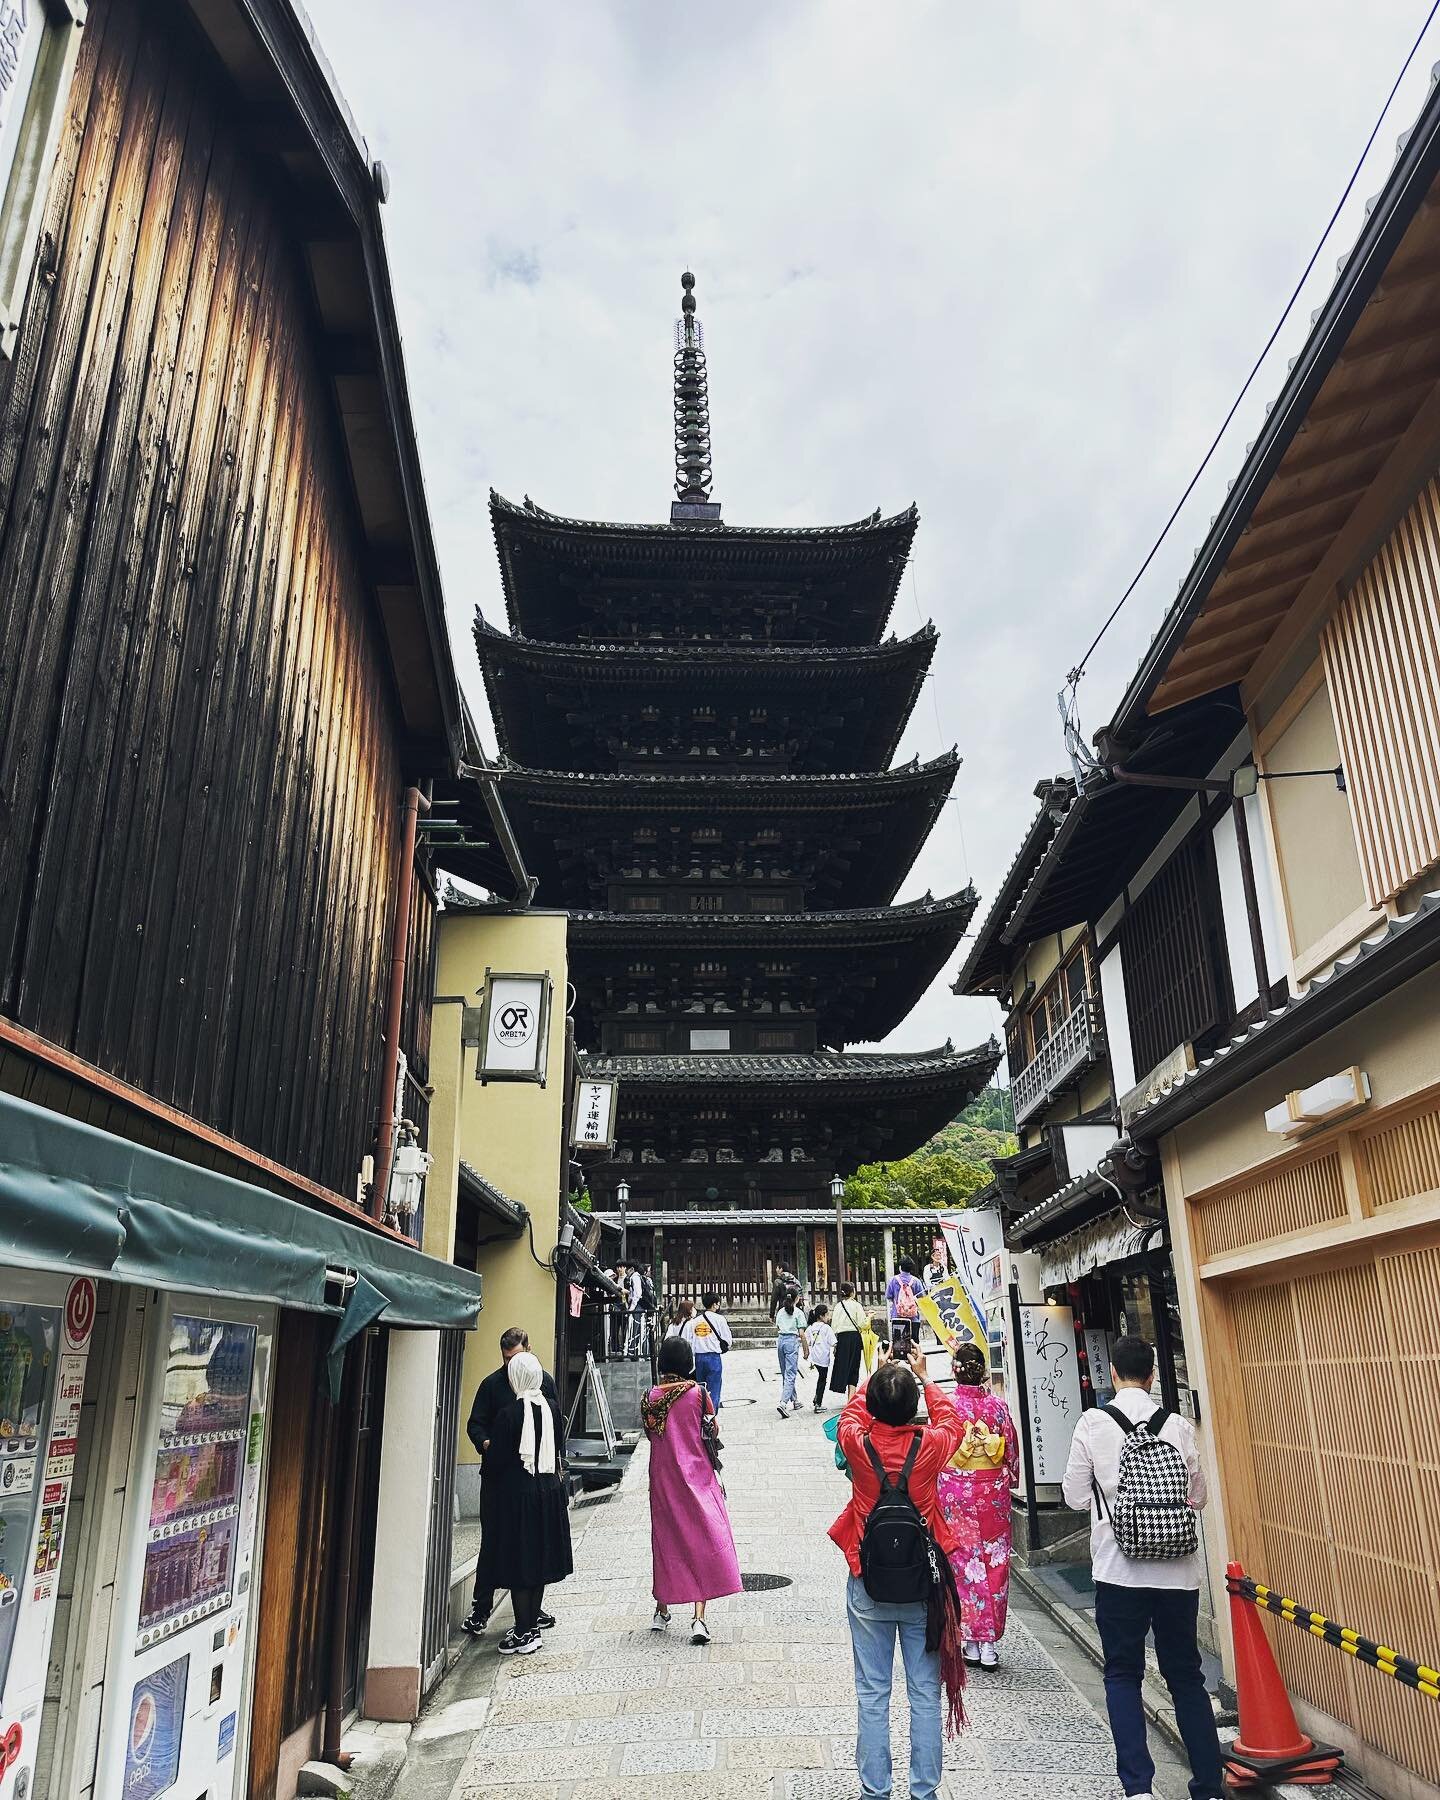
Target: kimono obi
[(980, 1448)]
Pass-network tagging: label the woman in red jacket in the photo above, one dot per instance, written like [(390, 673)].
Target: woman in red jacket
[(884, 1413)]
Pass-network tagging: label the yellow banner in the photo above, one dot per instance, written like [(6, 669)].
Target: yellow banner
[(951, 1312)]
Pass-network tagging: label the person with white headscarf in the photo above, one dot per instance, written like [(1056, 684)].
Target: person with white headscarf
[(526, 1545)]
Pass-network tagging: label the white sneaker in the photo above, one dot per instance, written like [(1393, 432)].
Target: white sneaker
[(661, 1619), (989, 1657), (699, 1632)]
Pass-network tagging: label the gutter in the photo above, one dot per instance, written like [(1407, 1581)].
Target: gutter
[(1396, 206)]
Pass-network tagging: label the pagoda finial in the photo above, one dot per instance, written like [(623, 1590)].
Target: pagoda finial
[(692, 413)]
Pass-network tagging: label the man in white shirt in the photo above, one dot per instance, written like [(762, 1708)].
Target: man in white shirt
[(635, 1335), (707, 1332), (1133, 1598)]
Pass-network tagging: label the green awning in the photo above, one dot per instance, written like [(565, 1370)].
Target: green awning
[(80, 1200)]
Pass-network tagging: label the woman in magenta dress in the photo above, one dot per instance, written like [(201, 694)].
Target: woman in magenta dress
[(974, 1494), (691, 1545)]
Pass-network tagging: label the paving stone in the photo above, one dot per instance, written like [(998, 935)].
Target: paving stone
[(1063, 1759), (652, 1728), (667, 1759), (1023, 1787), (527, 1706), (644, 1787), (539, 1734), (775, 1754), (794, 1721)]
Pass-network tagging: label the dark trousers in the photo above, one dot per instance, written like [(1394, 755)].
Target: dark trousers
[(483, 1604), (1123, 1616), (821, 1377), (526, 1602)]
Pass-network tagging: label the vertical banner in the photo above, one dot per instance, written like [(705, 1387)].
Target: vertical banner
[(972, 1238), (1052, 1386), (952, 1314)]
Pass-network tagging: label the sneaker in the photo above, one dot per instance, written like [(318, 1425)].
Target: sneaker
[(989, 1657), (516, 1643), (546, 1622), (817, 1408), (783, 1410), (660, 1620), (971, 1652), (473, 1624), (699, 1632)]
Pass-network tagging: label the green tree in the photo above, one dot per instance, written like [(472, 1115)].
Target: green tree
[(945, 1172)]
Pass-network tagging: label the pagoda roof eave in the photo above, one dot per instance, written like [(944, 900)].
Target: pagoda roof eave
[(651, 661), (711, 544), (749, 793), (858, 925), (837, 1074)]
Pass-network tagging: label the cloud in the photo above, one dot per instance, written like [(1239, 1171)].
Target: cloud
[(1011, 262)]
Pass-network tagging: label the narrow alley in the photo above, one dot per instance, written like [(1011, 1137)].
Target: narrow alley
[(610, 1711)]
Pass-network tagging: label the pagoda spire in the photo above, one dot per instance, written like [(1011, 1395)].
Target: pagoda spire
[(693, 473)]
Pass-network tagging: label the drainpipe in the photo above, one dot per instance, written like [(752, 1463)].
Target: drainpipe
[(415, 804)]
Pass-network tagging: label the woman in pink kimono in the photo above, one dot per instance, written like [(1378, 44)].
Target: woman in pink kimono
[(692, 1548), (974, 1494)]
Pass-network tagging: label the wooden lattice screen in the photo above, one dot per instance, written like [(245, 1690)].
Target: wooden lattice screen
[(1288, 1199), (1382, 660)]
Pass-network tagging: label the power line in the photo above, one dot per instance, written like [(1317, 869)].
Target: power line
[(1190, 485)]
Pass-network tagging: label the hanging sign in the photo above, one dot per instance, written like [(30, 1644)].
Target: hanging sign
[(953, 1315), (514, 1027), (593, 1126), (972, 1238)]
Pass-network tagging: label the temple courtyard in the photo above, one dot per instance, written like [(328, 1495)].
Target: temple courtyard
[(610, 1711)]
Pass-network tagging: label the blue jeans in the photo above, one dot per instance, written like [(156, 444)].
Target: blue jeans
[(788, 1350), (708, 1370), (1123, 1615), (873, 1630)]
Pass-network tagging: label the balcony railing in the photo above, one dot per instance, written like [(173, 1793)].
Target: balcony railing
[(1072, 1046)]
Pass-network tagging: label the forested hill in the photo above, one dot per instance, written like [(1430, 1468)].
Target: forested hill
[(946, 1171)]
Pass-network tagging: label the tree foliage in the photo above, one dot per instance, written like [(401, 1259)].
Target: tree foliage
[(944, 1173)]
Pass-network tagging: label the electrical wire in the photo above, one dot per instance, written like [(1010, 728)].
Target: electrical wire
[(1190, 485)]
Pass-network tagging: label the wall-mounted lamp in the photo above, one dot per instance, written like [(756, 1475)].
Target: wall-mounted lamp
[(1247, 778), (1322, 1103)]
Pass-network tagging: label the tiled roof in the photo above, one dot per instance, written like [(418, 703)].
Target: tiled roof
[(871, 526), (783, 1068), (987, 960), (856, 1218), (777, 927), (485, 1193), (651, 659)]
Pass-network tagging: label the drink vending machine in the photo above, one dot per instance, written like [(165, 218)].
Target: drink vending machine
[(182, 1646), (45, 1327)]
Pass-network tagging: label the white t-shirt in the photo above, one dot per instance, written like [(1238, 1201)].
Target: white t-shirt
[(707, 1333), (1095, 1456), (821, 1342)]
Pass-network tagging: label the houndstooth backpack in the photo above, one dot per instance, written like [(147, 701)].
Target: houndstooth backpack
[(1152, 1518)]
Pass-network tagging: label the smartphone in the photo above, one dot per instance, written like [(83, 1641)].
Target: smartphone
[(900, 1341)]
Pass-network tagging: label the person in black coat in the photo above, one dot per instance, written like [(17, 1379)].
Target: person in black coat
[(491, 1397), (526, 1543)]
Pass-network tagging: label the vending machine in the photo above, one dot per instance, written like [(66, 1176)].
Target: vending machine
[(45, 1327), (177, 1704)]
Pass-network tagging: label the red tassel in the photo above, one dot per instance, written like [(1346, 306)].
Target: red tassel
[(952, 1676)]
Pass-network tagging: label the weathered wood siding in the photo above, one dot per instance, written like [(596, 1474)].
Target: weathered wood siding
[(199, 785)]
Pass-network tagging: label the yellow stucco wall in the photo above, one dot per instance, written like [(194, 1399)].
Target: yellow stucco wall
[(511, 1131)]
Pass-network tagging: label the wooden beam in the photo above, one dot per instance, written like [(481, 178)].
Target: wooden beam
[(1396, 387), (1192, 658), (1201, 681), (1303, 503), (1399, 336), (1262, 599), (1248, 553), (1297, 462)]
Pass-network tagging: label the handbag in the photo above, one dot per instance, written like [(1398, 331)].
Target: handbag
[(710, 1438)]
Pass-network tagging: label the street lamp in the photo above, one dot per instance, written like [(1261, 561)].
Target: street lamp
[(622, 1194), (837, 1194)]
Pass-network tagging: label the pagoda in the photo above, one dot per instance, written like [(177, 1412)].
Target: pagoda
[(697, 723)]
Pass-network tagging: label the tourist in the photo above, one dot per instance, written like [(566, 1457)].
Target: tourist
[(708, 1335), (619, 1313), (639, 1311), (784, 1282), (527, 1523), (878, 1425), (820, 1347), (1159, 1595), (491, 1397), (849, 1326), (789, 1342), (902, 1294), (692, 1548), (974, 1494), (935, 1271), (684, 1312)]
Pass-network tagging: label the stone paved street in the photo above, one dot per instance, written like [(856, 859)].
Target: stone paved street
[(610, 1711)]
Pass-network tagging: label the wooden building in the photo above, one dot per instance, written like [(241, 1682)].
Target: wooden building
[(698, 721), (1268, 932), (226, 693)]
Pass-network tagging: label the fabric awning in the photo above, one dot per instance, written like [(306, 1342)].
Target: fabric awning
[(78, 1199), (1110, 1238)]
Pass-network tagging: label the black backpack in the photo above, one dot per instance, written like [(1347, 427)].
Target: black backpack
[(897, 1554), (647, 1292)]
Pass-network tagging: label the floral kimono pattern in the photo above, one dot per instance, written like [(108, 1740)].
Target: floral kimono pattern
[(974, 1493)]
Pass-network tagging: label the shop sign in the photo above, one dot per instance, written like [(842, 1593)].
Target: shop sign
[(79, 1313), (157, 1717), (952, 1314), (1052, 1386), (593, 1126), (514, 1027)]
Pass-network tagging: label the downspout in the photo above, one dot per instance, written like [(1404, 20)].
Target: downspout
[(415, 804)]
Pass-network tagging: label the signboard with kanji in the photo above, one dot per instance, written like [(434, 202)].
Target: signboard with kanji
[(593, 1125)]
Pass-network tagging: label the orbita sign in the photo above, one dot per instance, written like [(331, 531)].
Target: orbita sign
[(514, 1027)]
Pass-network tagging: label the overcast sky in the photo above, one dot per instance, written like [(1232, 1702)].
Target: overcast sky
[(1011, 262)]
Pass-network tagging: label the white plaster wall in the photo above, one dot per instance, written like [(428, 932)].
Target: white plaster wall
[(402, 1513), (1085, 1145), (1117, 1022)]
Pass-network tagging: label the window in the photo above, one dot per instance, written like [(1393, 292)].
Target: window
[(1177, 984), (711, 1038), (646, 903), (770, 903), (777, 1038), (642, 1041), (707, 903)]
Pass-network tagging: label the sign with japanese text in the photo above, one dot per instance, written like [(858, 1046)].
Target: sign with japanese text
[(1052, 1386), (593, 1125), (952, 1313)]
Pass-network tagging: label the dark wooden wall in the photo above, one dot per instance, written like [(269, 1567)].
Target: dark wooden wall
[(199, 785)]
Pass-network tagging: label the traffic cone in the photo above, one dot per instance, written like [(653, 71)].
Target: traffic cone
[(1270, 1747)]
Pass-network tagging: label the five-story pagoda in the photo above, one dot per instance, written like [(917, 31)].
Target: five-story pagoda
[(697, 722)]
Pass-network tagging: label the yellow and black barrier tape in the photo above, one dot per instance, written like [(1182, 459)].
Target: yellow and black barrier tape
[(1409, 1673)]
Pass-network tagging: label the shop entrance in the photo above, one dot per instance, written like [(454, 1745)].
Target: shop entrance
[(181, 1647)]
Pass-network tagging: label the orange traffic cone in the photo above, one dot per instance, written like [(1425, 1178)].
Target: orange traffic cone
[(1271, 1747)]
